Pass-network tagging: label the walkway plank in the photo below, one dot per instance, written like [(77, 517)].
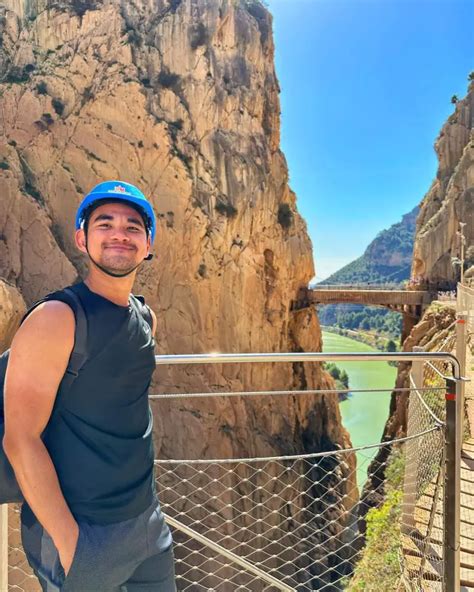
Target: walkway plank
[(414, 544)]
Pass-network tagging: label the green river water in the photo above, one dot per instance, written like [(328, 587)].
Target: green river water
[(363, 414)]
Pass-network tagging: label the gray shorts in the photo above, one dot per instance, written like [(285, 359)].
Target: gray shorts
[(130, 556)]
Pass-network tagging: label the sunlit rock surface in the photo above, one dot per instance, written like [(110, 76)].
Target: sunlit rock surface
[(450, 200), (180, 98)]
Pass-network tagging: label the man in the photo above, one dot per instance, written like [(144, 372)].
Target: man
[(84, 458)]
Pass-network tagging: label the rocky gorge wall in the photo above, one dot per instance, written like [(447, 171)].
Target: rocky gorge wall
[(450, 200), (180, 98)]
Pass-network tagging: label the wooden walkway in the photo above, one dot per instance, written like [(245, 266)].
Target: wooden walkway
[(416, 546)]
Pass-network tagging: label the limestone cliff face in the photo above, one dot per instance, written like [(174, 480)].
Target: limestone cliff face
[(180, 98), (450, 199), (12, 308)]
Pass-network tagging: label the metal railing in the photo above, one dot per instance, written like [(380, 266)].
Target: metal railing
[(297, 522), (342, 287), (465, 304)]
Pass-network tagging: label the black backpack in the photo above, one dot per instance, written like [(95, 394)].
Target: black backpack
[(9, 490)]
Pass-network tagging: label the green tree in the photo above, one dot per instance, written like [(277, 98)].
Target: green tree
[(454, 99), (344, 379), (391, 346), (471, 76)]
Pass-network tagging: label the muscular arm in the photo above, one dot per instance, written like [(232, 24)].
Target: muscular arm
[(38, 359)]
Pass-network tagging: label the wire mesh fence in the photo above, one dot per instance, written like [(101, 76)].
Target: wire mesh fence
[(278, 514), (294, 522), (465, 304), (422, 510), (20, 575)]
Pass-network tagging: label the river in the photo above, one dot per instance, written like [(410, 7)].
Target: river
[(363, 414)]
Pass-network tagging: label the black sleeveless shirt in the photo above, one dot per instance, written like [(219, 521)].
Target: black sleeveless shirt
[(100, 432)]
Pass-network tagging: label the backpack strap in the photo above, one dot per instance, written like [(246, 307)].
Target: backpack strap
[(79, 352)]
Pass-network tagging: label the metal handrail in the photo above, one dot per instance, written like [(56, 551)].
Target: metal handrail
[(335, 391), (218, 358)]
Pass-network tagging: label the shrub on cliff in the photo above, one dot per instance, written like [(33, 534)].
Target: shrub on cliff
[(80, 7), (133, 37), (285, 215), (47, 119), (341, 378), (379, 566), (58, 106), (16, 75), (167, 79), (226, 208), (199, 36), (42, 88)]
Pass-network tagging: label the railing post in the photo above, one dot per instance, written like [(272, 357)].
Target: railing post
[(411, 468), (452, 489), (461, 344), (4, 547)]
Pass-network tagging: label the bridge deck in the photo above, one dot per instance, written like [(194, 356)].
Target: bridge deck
[(432, 563), (370, 297)]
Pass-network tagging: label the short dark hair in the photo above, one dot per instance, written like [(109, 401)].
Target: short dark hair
[(102, 202)]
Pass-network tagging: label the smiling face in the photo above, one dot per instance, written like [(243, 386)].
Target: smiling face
[(116, 240)]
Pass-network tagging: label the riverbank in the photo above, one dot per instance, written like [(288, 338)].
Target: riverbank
[(377, 341), (363, 413)]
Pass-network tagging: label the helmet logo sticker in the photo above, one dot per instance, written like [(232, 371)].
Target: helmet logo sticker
[(118, 189)]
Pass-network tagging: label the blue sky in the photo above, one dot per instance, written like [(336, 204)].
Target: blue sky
[(365, 88)]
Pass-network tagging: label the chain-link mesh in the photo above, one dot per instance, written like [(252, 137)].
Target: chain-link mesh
[(20, 576), (465, 304), (422, 511), (277, 514)]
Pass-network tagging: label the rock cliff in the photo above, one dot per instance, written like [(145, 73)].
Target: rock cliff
[(180, 98), (12, 308), (450, 200)]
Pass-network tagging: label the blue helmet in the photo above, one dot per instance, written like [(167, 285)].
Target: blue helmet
[(119, 191)]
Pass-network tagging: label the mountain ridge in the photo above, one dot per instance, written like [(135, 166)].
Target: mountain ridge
[(393, 246)]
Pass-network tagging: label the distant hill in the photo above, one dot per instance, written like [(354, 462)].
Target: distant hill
[(386, 259)]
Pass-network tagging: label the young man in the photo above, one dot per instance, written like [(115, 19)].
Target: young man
[(84, 457)]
